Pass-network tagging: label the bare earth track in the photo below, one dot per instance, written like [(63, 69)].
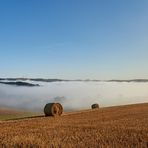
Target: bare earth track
[(123, 126)]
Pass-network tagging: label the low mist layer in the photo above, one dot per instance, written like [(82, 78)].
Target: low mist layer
[(73, 95)]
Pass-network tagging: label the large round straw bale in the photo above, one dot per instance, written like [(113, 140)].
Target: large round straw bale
[(53, 109), (95, 106)]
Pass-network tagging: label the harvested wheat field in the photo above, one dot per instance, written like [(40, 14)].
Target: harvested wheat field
[(123, 126)]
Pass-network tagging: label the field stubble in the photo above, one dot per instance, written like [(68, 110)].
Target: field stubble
[(124, 126)]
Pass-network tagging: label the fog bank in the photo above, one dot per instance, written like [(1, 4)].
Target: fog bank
[(73, 95)]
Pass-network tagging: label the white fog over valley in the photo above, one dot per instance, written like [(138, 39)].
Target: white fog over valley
[(73, 95)]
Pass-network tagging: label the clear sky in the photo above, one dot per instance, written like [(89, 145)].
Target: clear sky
[(74, 39)]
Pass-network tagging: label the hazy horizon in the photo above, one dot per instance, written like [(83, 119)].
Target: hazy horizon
[(73, 95), (72, 40)]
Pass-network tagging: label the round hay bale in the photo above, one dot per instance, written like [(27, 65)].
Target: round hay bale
[(95, 106), (53, 109)]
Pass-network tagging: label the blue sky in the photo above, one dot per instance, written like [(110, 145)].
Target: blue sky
[(74, 39)]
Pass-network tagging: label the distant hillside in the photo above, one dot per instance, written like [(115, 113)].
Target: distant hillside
[(19, 83), (32, 79), (133, 80), (60, 80)]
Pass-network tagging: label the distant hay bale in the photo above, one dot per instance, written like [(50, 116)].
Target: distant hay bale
[(95, 106), (53, 109)]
